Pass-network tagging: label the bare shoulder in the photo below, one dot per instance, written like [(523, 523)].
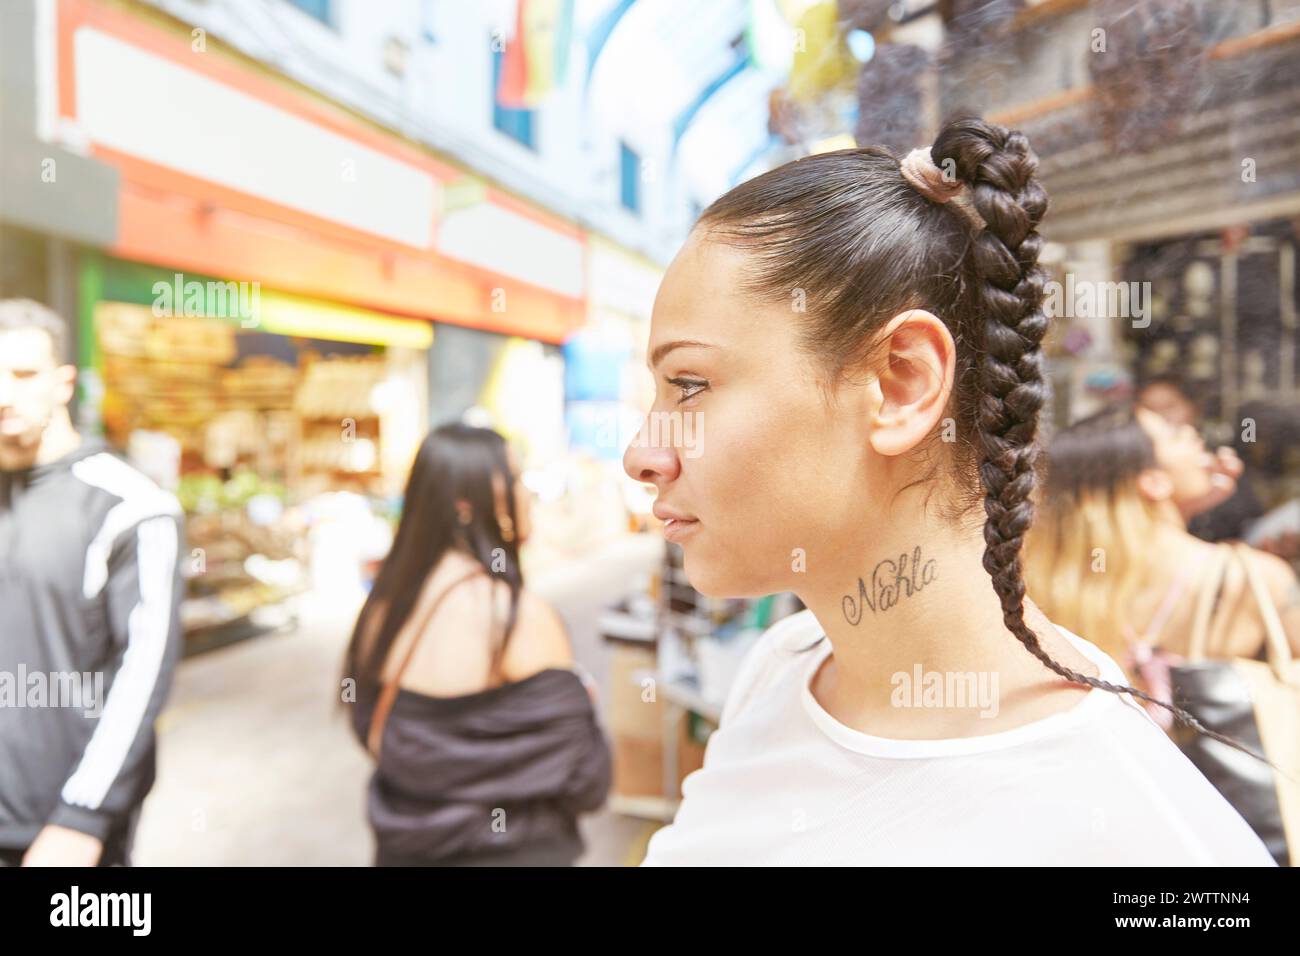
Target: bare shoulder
[(465, 602), (539, 640), (1276, 574)]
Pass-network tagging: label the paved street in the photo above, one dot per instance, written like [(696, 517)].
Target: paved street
[(257, 764)]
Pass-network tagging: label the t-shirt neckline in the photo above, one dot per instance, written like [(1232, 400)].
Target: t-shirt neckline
[(870, 745)]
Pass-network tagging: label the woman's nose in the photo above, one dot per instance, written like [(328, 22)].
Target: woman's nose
[(650, 461)]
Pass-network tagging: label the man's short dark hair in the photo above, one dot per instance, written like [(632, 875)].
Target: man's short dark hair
[(18, 314), (1193, 392), (1169, 379)]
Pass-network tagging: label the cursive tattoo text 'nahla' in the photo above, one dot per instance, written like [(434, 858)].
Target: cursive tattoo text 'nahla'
[(890, 581)]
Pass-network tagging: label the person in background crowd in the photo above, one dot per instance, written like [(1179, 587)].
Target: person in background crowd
[(1230, 504), (861, 338), (1119, 484), (90, 591), (483, 726), (1271, 459), (1164, 395)]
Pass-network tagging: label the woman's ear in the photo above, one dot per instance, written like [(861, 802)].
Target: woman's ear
[(1154, 484), (920, 361)]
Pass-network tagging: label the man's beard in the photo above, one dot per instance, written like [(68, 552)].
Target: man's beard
[(19, 452)]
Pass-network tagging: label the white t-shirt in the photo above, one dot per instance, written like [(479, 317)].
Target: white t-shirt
[(785, 783)]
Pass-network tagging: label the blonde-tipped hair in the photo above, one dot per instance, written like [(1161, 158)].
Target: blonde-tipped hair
[(1085, 557), (1086, 563)]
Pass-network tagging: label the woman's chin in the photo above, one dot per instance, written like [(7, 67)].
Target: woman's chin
[(713, 581)]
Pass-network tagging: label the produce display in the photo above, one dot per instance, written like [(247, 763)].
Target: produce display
[(257, 434)]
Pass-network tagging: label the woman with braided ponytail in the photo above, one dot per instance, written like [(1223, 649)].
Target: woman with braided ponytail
[(856, 341)]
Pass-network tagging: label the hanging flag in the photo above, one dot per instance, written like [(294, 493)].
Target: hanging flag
[(536, 59), (513, 77), (549, 32), (821, 58), (563, 41)]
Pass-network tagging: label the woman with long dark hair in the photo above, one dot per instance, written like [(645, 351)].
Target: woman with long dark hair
[(486, 742), (858, 341)]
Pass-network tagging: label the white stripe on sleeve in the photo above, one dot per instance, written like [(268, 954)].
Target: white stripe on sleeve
[(147, 630), (140, 499)]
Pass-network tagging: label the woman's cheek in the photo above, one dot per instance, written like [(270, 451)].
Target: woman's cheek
[(1193, 483), (728, 469)]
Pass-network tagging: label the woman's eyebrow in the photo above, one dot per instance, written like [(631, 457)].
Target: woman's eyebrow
[(658, 355)]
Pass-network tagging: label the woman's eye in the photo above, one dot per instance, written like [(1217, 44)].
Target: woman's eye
[(688, 387)]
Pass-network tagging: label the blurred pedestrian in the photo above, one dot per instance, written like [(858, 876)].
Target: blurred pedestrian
[(90, 591), (482, 724), (1230, 503), (1111, 555)]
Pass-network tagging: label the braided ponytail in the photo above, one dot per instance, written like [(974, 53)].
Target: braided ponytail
[(998, 166)]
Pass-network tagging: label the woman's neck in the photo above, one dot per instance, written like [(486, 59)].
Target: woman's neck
[(1168, 546), (1168, 517), (918, 596)]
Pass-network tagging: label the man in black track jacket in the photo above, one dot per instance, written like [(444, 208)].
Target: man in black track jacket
[(90, 590)]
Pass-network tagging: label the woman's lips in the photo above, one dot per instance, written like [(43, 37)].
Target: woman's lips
[(679, 529)]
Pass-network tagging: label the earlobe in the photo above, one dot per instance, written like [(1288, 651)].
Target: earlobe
[(894, 434)]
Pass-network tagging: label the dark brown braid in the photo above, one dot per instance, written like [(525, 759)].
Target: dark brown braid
[(998, 166)]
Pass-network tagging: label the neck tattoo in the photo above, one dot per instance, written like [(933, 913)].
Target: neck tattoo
[(890, 581)]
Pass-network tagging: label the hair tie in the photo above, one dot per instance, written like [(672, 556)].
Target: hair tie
[(919, 170)]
